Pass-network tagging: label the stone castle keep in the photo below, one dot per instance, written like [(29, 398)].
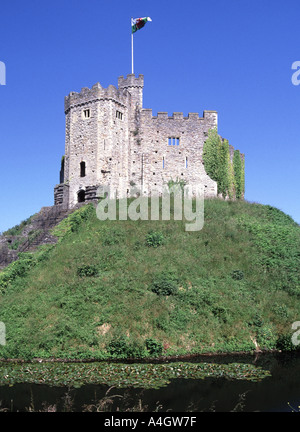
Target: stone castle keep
[(111, 140)]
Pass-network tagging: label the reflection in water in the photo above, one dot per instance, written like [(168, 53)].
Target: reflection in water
[(280, 392)]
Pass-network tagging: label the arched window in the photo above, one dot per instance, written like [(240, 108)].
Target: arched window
[(81, 196), (82, 169)]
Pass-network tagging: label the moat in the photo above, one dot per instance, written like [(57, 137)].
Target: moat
[(277, 391)]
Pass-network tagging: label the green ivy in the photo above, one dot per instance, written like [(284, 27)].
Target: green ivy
[(223, 160), (210, 154), (238, 174), (228, 174)]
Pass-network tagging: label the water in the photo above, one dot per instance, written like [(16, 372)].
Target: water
[(278, 393)]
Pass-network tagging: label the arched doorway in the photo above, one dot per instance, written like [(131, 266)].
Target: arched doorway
[(81, 196)]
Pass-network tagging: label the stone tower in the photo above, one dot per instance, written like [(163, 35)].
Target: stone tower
[(111, 140)]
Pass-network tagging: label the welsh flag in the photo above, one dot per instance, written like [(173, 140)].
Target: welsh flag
[(138, 23)]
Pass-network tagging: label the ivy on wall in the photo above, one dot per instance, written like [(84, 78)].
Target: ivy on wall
[(229, 174), (238, 174)]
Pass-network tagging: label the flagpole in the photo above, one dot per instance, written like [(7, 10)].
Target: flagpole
[(131, 49)]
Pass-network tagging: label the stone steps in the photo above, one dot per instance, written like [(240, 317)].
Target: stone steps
[(44, 221)]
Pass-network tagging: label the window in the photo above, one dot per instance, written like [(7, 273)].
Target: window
[(119, 115), (173, 141), (86, 113), (163, 162), (186, 163), (82, 169)]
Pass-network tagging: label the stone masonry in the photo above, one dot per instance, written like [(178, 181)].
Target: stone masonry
[(111, 140)]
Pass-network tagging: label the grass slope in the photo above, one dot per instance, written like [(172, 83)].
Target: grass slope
[(146, 288)]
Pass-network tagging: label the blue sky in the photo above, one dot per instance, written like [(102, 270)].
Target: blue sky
[(231, 56)]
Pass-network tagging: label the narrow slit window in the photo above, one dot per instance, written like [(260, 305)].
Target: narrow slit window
[(82, 169), (186, 162), (86, 113), (173, 141), (163, 162), (119, 115)]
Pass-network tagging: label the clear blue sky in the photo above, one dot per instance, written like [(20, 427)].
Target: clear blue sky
[(231, 56)]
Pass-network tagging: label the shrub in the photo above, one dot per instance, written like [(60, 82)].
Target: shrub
[(237, 275), (117, 346), (280, 310), (266, 337), (220, 312), (284, 343), (79, 216), (154, 347), (135, 350), (87, 270), (164, 284), (16, 269), (154, 239)]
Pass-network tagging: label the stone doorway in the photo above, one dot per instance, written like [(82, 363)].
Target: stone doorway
[(81, 196)]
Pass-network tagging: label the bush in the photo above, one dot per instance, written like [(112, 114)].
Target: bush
[(16, 269), (135, 350), (119, 346), (164, 284), (237, 275), (154, 239), (154, 347), (280, 310), (87, 270), (266, 337), (284, 343), (221, 313)]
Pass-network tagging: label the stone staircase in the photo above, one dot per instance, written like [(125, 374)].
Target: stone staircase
[(41, 224)]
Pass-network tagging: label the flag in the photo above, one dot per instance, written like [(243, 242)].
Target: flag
[(138, 23)]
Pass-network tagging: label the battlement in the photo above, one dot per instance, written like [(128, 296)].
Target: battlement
[(131, 81), (211, 116), (96, 93)]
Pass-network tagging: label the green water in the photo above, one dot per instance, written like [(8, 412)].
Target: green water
[(248, 383)]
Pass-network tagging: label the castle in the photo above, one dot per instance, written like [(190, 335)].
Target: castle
[(111, 140)]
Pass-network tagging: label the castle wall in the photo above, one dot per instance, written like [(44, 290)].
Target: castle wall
[(170, 148), (123, 145)]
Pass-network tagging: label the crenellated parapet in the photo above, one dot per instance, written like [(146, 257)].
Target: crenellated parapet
[(131, 81), (208, 116), (134, 85), (96, 93)]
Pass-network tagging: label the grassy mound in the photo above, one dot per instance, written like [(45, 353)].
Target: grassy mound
[(149, 288)]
